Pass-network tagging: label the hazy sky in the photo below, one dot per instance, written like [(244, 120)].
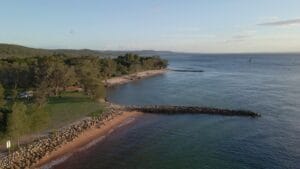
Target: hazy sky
[(177, 25)]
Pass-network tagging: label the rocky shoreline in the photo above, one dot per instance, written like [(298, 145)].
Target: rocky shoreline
[(28, 155)]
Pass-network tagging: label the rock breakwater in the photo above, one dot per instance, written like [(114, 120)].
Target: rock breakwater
[(160, 109)]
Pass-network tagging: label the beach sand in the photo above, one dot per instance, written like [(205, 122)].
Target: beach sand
[(132, 77), (86, 138)]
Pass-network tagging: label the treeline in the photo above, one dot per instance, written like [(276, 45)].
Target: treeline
[(51, 75), (11, 50)]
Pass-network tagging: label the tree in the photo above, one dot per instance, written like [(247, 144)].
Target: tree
[(41, 94), (2, 103), (14, 94), (2, 100), (17, 124), (90, 78), (15, 73), (54, 75), (98, 91), (3, 114), (61, 77), (108, 68), (38, 118), (20, 74)]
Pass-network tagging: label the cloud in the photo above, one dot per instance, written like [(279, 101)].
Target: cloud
[(189, 29), (270, 18), (281, 23), (242, 36), (189, 36), (189, 33), (237, 38)]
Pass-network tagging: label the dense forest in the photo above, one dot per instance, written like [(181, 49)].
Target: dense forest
[(26, 82)]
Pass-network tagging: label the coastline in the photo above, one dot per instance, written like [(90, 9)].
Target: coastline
[(94, 133), (86, 138), (132, 77), (59, 145), (54, 148)]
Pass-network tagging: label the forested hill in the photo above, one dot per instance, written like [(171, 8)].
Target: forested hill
[(10, 50)]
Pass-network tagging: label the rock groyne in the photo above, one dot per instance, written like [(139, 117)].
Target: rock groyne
[(160, 109)]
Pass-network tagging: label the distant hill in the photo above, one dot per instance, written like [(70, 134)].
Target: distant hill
[(11, 50), (8, 50)]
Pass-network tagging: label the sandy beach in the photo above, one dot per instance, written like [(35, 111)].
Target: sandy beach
[(132, 77), (86, 138)]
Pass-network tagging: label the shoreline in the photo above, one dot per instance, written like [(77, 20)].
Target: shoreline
[(87, 138), (55, 148), (96, 134), (58, 146), (132, 77)]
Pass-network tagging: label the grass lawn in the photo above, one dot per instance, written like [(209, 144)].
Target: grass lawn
[(68, 108), (71, 107)]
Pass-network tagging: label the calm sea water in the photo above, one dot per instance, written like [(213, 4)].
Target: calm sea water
[(269, 84)]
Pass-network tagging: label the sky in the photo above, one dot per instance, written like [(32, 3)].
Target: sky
[(204, 26)]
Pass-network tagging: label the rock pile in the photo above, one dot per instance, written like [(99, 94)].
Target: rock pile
[(161, 109), (28, 155)]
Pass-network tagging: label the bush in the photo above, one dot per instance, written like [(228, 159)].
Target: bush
[(17, 124), (39, 118), (2, 101)]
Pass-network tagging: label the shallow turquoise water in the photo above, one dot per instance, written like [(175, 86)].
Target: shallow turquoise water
[(269, 84)]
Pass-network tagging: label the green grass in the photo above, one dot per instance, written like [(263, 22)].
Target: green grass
[(68, 108), (71, 107)]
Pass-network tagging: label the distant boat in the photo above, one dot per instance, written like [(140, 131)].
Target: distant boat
[(250, 60)]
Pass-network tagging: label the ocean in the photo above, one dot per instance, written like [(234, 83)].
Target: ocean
[(264, 83)]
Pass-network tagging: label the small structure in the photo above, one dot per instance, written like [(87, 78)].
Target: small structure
[(74, 89), (26, 95)]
